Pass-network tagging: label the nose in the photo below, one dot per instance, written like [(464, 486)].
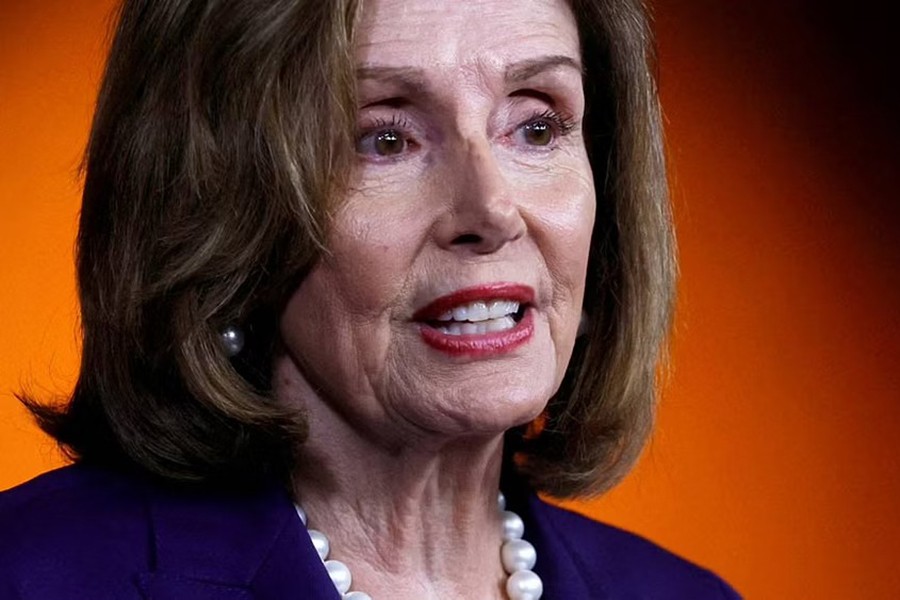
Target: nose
[(483, 216)]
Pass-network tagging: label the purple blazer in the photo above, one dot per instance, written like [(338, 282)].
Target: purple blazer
[(90, 534)]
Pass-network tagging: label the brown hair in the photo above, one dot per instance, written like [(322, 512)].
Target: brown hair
[(222, 132)]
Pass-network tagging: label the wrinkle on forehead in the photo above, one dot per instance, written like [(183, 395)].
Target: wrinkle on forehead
[(477, 35)]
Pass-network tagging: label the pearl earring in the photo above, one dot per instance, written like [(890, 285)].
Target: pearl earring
[(583, 324), (232, 340)]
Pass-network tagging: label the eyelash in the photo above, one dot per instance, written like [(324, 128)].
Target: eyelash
[(562, 124), (378, 124)]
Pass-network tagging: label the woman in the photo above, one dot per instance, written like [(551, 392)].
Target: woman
[(378, 259)]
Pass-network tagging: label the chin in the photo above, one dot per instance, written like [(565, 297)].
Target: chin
[(486, 414)]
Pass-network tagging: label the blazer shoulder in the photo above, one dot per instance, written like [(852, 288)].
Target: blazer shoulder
[(53, 500), (88, 532), (631, 565), (72, 528)]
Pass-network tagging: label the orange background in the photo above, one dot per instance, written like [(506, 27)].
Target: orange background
[(775, 461)]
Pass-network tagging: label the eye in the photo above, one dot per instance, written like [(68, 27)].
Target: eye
[(545, 128), (385, 139), (387, 143), (538, 133)]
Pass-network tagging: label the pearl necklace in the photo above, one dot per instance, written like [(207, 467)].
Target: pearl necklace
[(518, 557)]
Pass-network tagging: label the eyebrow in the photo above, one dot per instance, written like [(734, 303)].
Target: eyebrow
[(413, 79), (526, 69), (410, 79)]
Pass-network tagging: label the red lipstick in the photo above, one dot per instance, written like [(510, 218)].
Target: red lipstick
[(483, 344)]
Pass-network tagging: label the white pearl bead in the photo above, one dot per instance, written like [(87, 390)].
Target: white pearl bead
[(320, 542), (513, 527), (518, 555), (524, 585), (301, 513), (340, 575), (232, 340)]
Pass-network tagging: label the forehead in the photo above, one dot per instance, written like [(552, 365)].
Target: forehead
[(435, 34)]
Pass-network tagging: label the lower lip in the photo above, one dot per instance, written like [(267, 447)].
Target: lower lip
[(488, 344)]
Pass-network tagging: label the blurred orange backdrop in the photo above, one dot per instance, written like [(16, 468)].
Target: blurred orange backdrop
[(774, 462)]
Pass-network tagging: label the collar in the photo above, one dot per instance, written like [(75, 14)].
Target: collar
[(567, 569), (209, 546)]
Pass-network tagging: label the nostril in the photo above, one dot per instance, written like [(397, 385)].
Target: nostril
[(467, 238)]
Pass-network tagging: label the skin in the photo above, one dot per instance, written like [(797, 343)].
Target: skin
[(403, 460)]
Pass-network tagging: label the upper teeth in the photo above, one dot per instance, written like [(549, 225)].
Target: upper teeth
[(481, 311)]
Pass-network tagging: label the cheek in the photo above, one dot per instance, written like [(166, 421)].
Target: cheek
[(368, 262), (332, 328), (565, 211), (576, 188)]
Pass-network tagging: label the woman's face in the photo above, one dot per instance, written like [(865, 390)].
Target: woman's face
[(450, 298)]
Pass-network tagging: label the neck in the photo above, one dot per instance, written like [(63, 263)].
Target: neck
[(408, 524), (407, 518)]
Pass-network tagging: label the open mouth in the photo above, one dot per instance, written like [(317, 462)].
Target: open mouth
[(479, 321), (480, 318)]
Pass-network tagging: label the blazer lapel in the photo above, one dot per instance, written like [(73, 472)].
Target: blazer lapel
[(253, 547), (562, 570), (238, 547)]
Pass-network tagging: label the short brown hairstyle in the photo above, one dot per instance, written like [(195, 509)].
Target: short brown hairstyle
[(222, 133)]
